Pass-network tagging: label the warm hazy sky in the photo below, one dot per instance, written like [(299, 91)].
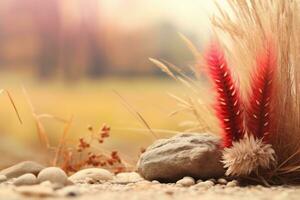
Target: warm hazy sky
[(186, 14)]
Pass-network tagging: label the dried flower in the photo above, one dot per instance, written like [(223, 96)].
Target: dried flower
[(82, 145), (248, 155), (104, 132)]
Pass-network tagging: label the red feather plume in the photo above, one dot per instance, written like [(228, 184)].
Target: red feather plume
[(228, 105), (262, 86)]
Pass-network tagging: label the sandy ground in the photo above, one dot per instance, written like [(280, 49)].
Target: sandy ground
[(150, 191)]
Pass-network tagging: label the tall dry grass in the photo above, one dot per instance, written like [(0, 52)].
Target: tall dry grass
[(242, 30)]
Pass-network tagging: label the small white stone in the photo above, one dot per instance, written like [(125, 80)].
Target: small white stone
[(205, 184), (155, 182), (186, 181), (212, 180), (199, 181), (26, 179), (233, 183), (91, 174), (222, 181), (127, 177), (54, 175)]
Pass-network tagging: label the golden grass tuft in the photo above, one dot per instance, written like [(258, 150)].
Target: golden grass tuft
[(242, 30), (194, 100)]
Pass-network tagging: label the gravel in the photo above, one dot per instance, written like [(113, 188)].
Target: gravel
[(206, 190)]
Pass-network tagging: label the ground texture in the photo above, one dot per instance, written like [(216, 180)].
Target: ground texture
[(148, 191)]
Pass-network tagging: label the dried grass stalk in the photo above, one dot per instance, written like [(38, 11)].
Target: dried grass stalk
[(193, 102), (243, 30)]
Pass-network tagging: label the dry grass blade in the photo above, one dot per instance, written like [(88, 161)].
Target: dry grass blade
[(59, 119), (43, 136), (12, 103), (191, 46), (62, 141), (136, 114), (163, 67)]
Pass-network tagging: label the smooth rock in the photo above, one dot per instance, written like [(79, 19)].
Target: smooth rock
[(209, 183), (189, 154), (222, 181), (186, 181), (212, 180), (232, 183), (54, 186), (22, 168), (35, 190), (54, 175), (199, 181), (91, 174), (3, 178), (205, 184), (127, 177), (26, 179)]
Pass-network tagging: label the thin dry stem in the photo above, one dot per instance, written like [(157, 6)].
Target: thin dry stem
[(2, 91)]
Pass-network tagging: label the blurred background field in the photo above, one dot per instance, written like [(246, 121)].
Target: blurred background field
[(91, 102), (72, 55)]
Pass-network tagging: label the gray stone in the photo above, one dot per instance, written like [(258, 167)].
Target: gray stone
[(91, 175), (189, 154), (54, 175), (22, 168), (26, 179)]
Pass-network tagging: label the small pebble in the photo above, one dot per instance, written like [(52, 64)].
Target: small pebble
[(3, 178), (186, 181), (155, 182), (205, 184), (127, 177), (212, 180), (92, 175), (199, 181), (233, 183), (54, 175), (222, 181), (26, 179)]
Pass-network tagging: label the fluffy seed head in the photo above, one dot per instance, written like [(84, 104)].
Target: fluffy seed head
[(247, 156)]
